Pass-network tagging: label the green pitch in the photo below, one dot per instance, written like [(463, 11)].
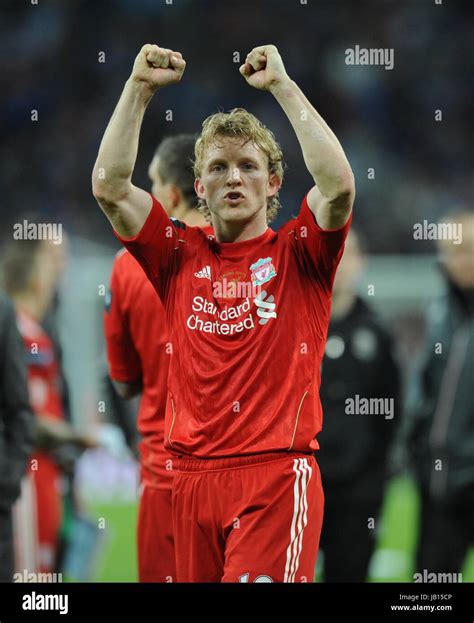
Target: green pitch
[(118, 562), (393, 560), (391, 563)]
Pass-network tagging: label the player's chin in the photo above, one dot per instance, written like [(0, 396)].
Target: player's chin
[(234, 214)]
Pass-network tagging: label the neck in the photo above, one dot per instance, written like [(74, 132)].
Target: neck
[(238, 231), (342, 303), (30, 304)]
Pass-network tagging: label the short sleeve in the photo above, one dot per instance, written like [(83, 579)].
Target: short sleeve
[(318, 251), (156, 247), (122, 357)]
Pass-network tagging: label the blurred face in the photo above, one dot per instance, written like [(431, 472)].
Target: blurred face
[(235, 181), (458, 259), (49, 264), (350, 266), (60, 256)]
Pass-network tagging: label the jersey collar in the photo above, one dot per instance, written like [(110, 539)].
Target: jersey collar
[(232, 249)]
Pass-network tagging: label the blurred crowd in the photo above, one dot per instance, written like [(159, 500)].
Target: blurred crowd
[(69, 60)]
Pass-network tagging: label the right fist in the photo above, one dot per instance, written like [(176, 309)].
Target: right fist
[(157, 67)]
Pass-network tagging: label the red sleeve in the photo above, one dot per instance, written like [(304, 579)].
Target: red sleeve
[(156, 247), (318, 251), (123, 359)]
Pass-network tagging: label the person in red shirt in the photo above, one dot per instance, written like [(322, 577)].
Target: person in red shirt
[(31, 269), (138, 353), (248, 314)]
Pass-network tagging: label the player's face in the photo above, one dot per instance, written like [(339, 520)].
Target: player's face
[(60, 256), (46, 273), (235, 180)]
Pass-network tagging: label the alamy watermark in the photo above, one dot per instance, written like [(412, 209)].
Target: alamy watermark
[(370, 56), (429, 577), (30, 576), (39, 601), (370, 406), (231, 289), (438, 231), (38, 231)]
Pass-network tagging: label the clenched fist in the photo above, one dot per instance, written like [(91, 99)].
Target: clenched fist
[(263, 68), (157, 67)]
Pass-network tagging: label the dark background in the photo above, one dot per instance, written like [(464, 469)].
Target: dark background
[(385, 119)]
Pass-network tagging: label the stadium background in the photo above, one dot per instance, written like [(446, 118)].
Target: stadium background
[(52, 55)]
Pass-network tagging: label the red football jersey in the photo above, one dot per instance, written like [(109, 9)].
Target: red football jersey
[(43, 371), (138, 348), (45, 399), (245, 363)]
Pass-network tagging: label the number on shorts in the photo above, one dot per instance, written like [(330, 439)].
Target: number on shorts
[(261, 579)]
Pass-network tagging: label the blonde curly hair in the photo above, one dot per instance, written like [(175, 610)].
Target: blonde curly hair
[(241, 125)]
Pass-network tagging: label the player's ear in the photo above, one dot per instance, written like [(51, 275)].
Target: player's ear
[(274, 185), (199, 188)]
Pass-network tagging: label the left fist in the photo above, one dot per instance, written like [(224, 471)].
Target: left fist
[(263, 68)]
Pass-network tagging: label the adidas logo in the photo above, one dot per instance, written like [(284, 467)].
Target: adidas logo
[(204, 273)]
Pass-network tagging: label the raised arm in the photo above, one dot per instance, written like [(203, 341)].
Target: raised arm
[(125, 205), (332, 198)]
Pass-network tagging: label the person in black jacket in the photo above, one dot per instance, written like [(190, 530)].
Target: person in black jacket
[(360, 394), (16, 429), (30, 271), (440, 410)]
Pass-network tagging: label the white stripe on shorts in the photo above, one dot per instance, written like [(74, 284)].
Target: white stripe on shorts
[(303, 473)]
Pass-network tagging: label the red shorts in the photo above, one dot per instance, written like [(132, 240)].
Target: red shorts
[(247, 519), (156, 562)]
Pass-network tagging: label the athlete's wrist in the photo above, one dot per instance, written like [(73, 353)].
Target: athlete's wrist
[(283, 88), (140, 89)]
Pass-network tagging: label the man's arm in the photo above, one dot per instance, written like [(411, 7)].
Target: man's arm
[(125, 205), (121, 412), (53, 433), (332, 198), (124, 362)]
